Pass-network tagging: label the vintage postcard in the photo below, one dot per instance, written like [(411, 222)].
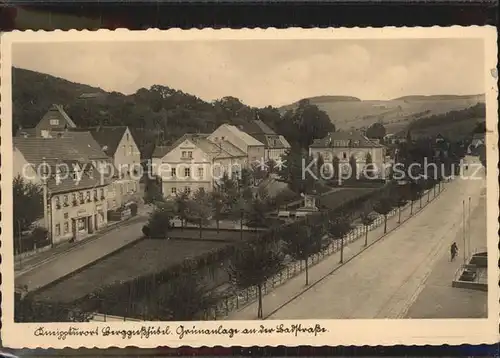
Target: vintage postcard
[(249, 187)]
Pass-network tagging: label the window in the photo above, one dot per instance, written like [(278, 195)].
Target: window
[(183, 154), (344, 155), (127, 137), (54, 122), (95, 195), (187, 172), (190, 155), (80, 196), (200, 173), (187, 190), (58, 229), (130, 150), (58, 204), (88, 196), (73, 199), (102, 193), (66, 227), (66, 215), (174, 190), (173, 172), (73, 175), (124, 149)]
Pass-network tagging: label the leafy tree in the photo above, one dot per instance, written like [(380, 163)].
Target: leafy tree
[(354, 167), (366, 219), (217, 202), (28, 203), (199, 209), (401, 198), (384, 206), (304, 242), (183, 298), (367, 170), (376, 131), (319, 163), (254, 264), (338, 228), (256, 212), (299, 181), (304, 124), (181, 205), (152, 193), (159, 222), (228, 188), (336, 166)]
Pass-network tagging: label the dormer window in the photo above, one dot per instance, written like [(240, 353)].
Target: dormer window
[(54, 122)]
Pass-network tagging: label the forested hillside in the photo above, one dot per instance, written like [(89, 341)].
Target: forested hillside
[(158, 115)]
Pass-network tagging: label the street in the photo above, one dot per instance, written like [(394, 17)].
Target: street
[(80, 256), (385, 279), (381, 282)]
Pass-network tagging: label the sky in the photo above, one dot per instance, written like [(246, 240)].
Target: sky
[(267, 72)]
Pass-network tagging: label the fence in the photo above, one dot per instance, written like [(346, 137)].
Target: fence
[(242, 298)]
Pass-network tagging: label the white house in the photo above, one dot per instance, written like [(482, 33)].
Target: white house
[(276, 145), (194, 161)]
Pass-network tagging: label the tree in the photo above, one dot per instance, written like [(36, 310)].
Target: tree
[(183, 298), (298, 179), (319, 164), (366, 219), (181, 205), (256, 212), (199, 209), (159, 222), (152, 192), (384, 206), (338, 228), (354, 167), (217, 202), (304, 242), (27, 204), (376, 131), (401, 198), (229, 189), (336, 166), (252, 265)]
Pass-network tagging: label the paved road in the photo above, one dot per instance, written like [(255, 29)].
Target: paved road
[(438, 299), (384, 280), (80, 256)]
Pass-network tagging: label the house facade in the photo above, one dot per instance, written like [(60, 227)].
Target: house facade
[(275, 145), (74, 188), (345, 145), (55, 120), (253, 149), (119, 144), (194, 162)]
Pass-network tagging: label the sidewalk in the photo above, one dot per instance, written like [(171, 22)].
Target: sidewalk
[(24, 265), (296, 285), (79, 256)]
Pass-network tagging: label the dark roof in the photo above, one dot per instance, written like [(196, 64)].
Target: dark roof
[(256, 127), (79, 146), (344, 139), (161, 151), (264, 134), (108, 137), (90, 177), (57, 112)]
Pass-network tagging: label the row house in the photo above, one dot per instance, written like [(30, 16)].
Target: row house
[(69, 167), (275, 145), (195, 161), (345, 145)]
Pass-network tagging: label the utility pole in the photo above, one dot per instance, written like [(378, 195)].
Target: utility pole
[(463, 227), (468, 239)]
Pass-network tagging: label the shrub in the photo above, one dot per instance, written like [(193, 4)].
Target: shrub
[(133, 209)]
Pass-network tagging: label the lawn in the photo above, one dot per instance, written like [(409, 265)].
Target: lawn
[(145, 257)]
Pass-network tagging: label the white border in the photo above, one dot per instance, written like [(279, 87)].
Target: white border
[(340, 332)]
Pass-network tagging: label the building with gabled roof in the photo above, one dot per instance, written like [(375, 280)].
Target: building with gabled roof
[(194, 161), (275, 145), (347, 144), (56, 119), (74, 173), (254, 149)]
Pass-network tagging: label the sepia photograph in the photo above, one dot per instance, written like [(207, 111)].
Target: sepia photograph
[(248, 186)]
